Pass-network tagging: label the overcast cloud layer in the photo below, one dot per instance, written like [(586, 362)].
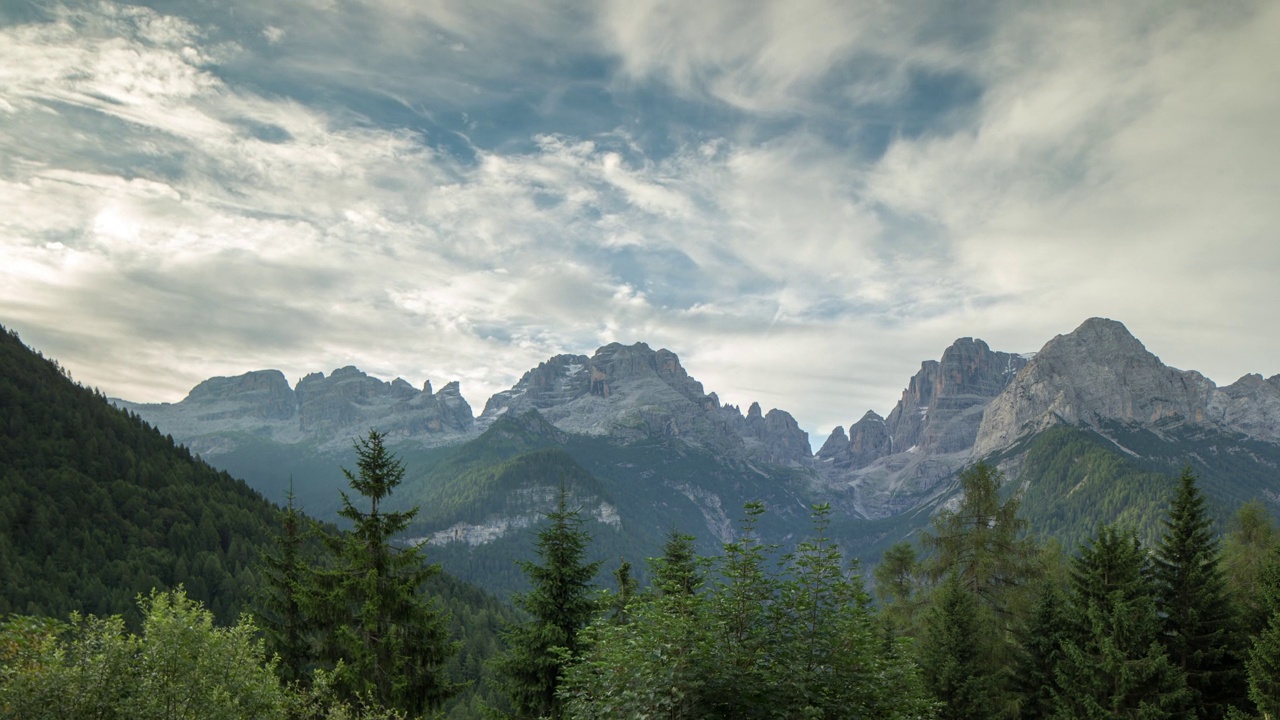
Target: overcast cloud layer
[(802, 199)]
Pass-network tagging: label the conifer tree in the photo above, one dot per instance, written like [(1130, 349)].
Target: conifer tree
[(983, 542), (955, 655), (1249, 544), (627, 586), (900, 589), (1264, 657), (1113, 665), (560, 604), (1035, 670), (738, 606), (281, 597), (392, 640), (1200, 632), (676, 572)]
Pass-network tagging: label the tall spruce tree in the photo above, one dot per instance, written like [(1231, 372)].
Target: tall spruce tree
[(900, 589), (677, 571), (1200, 627), (1035, 677), (393, 641), (955, 655), (281, 597), (560, 604), (1113, 665)]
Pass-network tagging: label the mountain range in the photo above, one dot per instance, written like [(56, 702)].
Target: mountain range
[(1091, 417)]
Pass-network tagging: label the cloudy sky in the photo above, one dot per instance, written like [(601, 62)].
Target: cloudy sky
[(803, 199)]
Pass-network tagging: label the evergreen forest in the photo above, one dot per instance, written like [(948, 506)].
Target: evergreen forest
[(137, 582)]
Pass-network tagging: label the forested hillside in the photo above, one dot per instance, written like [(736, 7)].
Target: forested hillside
[(98, 507)]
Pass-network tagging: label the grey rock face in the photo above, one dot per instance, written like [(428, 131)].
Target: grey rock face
[(895, 463), (327, 410), (1097, 372), (867, 441), (1250, 405), (835, 449), (263, 394), (1101, 372), (940, 409), (631, 392)]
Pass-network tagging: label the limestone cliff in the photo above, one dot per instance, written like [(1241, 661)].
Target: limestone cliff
[(632, 392), (894, 463), (219, 413)]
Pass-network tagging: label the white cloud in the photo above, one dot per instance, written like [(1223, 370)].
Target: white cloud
[(161, 220)]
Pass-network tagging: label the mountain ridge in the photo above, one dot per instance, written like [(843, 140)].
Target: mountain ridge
[(661, 446)]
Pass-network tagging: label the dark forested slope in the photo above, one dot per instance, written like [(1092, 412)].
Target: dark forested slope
[(97, 507)]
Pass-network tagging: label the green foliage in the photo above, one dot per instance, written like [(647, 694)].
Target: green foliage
[(1263, 662), (957, 652), (1200, 630), (181, 666), (1077, 482), (1035, 679), (391, 639), (983, 543), (678, 571), (1249, 545), (1113, 665), (900, 588), (282, 595), (801, 642), (560, 603), (655, 665), (97, 507)]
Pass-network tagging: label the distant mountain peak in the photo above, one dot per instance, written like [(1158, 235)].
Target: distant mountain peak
[(1100, 372), (329, 410), (632, 392)]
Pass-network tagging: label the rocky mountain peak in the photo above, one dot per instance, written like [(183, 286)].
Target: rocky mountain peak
[(1250, 405), (329, 410), (1097, 372), (630, 392), (894, 462), (262, 394), (835, 444), (941, 408)]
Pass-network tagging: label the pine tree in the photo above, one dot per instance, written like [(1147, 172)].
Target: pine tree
[(955, 655), (559, 604), (281, 597), (900, 589), (1035, 670), (392, 640), (676, 572), (627, 587), (1200, 632), (827, 659), (743, 632), (983, 542), (1113, 665)]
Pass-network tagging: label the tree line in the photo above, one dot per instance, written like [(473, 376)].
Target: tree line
[(975, 620)]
